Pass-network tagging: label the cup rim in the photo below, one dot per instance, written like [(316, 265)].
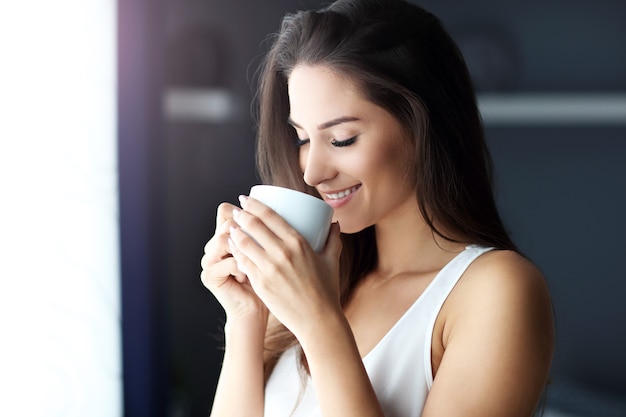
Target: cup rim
[(301, 194)]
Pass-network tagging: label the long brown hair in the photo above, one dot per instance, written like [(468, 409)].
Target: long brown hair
[(405, 62)]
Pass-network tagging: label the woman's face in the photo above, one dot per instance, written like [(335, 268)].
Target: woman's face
[(351, 150)]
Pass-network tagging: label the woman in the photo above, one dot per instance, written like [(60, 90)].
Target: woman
[(419, 305)]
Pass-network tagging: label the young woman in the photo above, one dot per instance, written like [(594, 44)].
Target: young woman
[(419, 305)]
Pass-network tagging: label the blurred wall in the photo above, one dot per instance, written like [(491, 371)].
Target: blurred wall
[(560, 180), (212, 49), (559, 183)]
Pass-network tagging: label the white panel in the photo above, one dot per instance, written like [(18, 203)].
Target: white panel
[(202, 105), (553, 109), (59, 267)]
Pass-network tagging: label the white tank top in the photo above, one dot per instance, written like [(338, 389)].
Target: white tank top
[(399, 366)]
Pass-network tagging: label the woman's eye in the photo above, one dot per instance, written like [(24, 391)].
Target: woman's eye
[(300, 142), (342, 143)]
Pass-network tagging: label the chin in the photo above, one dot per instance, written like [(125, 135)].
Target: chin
[(351, 228)]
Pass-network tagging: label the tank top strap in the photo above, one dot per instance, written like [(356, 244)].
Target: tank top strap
[(440, 289)]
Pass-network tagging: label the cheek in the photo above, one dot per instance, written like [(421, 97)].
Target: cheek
[(392, 164), (386, 160)]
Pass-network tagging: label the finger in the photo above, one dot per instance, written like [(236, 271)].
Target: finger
[(217, 247), (273, 220), (245, 250), (267, 227), (217, 274), (220, 267), (224, 213), (256, 228), (224, 228)]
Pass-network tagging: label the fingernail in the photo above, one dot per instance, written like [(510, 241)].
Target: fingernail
[(231, 244), (243, 199), (236, 213), (231, 230)]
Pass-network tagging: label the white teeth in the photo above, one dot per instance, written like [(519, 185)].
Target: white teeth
[(342, 194)]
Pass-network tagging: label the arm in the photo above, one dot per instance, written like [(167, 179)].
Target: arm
[(498, 340), (240, 387), (337, 371), (301, 289)]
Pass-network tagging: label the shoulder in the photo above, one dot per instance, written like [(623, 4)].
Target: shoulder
[(506, 266), (502, 307), (501, 283), (504, 276), (495, 338)]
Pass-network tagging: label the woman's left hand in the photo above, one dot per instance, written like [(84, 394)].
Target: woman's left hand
[(298, 285)]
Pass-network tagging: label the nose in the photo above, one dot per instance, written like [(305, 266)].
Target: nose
[(316, 164)]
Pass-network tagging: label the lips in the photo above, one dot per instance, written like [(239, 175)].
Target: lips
[(340, 198)]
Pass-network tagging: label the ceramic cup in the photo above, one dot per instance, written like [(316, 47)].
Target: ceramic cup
[(309, 215)]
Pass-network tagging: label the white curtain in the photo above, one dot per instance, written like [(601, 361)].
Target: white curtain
[(60, 338)]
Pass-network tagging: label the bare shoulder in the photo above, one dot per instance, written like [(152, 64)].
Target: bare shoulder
[(494, 339), (505, 289), (504, 276), (504, 263)]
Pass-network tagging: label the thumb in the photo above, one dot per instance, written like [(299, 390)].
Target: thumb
[(333, 243)]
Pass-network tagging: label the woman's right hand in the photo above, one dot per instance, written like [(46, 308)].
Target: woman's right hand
[(223, 278)]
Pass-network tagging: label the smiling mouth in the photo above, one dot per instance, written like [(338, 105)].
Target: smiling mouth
[(342, 194)]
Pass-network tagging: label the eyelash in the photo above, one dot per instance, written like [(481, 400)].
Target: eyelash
[(342, 143), (334, 142)]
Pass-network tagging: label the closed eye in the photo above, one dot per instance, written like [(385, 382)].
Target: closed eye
[(342, 143)]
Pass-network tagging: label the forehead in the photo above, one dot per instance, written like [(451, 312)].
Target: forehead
[(319, 93)]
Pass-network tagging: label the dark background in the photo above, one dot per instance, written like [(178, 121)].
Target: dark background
[(560, 184)]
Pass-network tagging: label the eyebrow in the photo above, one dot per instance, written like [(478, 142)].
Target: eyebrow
[(329, 123)]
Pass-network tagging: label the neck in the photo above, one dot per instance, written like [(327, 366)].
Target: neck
[(406, 243)]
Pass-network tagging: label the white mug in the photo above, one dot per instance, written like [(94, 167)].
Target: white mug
[(309, 215)]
